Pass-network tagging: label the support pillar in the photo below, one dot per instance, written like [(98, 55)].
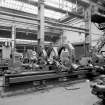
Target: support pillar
[(88, 36), (41, 26), (89, 20), (85, 54), (62, 41), (13, 42), (24, 49)]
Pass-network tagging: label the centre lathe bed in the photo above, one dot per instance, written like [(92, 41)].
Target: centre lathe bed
[(39, 76)]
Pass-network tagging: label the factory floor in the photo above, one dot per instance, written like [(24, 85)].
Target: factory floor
[(78, 93)]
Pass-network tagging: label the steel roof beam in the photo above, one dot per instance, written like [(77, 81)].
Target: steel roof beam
[(52, 8), (50, 23), (86, 3)]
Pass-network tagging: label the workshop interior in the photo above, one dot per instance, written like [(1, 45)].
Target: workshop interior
[(56, 43)]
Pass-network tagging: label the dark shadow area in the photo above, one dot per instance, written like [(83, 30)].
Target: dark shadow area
[(100, 102)]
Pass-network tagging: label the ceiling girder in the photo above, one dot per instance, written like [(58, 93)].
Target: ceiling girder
[(52, 8)]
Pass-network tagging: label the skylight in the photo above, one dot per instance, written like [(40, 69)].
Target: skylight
[(21, 6), (63, 4)]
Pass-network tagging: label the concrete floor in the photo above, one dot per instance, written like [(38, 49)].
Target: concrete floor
[(77, 94)]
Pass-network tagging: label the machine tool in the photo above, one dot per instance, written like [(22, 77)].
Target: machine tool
[(57, 62)]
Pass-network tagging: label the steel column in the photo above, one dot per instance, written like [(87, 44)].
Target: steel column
[(88, 37), (41, 26), (24, 49), (62, 37), (13, 42)]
